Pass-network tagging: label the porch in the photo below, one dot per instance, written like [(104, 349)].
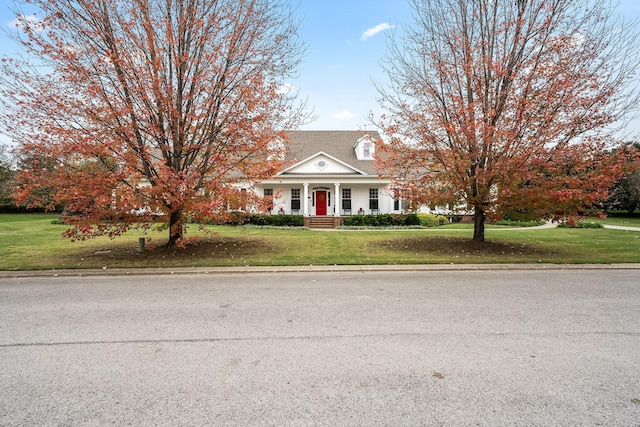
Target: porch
[(329, 200)]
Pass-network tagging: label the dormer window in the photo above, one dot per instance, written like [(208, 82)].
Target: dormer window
[(365, 148)]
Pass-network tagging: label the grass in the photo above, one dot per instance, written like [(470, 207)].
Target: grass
[(32, 242), (628, 221)]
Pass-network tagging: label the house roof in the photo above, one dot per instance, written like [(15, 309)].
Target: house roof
[(337, 143), (338, 168)]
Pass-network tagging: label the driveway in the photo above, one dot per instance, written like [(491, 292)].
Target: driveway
[(348, 348)]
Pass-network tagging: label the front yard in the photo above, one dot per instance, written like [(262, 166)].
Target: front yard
[(33, 242)]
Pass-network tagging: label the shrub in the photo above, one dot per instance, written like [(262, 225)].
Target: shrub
[(516, 223), (244, 218), (260, 220), (361, 221), (276, 220), (14, 209), (394, 220), (581, 224), (413, 219), (236, 218), (353, 221), (382, 220), (281, 220), (432, 220)]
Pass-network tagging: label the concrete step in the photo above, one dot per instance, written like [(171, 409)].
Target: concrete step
[(321, 222)]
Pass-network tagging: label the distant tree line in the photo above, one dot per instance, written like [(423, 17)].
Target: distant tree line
[(9, 167), (625, 194), (7, 177)]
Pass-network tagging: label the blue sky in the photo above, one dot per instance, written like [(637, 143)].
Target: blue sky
[(345, 43), (340, 64), (346, 40)]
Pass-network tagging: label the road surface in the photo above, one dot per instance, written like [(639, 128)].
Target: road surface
[(455, 348)]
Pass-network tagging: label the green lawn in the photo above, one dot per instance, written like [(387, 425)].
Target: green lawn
[(629, 221), (33, 242)]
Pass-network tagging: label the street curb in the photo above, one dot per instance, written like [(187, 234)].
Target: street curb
[(309, 269)]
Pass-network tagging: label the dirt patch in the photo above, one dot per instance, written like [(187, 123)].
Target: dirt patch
[(122, 254), (439, 245)]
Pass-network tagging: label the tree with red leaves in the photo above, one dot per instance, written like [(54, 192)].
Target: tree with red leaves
[(504, 104), (149, 110)]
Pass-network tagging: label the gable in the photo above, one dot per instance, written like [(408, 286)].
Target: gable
[(365, 147), (321, 164), (340, 145)]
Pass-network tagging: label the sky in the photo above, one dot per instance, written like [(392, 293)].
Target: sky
[(346, 41), (345, 44)]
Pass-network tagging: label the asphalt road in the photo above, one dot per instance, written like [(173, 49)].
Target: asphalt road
[(454, 348)]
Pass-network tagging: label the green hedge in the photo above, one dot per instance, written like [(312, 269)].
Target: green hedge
[(394, 220), (242, 218), (382, 220), (277, 220), (581, 224)]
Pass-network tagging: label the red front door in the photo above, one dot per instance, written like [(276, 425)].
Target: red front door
[(321, 202)]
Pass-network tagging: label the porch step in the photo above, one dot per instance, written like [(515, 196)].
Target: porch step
[(320, 222)]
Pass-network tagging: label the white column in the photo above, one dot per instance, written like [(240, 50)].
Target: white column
[(305, 200), (336, 199)]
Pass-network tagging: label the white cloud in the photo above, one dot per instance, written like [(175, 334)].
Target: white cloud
[(24, 21), (343, 115), (375, 30)]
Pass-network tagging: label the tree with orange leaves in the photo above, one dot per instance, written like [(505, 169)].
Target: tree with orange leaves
[(149, 110), (505, 104)]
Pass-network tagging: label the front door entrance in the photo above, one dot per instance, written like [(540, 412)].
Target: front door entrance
[(321, 202)]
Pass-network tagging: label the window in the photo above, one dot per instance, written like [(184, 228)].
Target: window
[(402, 196), (268, 192), (373, 198), (366, 148), (295, 199), (399, 204), (346, 198)]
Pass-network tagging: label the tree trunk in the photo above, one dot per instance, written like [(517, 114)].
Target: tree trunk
[(478, 224), (176, 228)]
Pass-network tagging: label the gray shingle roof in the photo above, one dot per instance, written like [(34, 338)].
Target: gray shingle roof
[(337, 143)]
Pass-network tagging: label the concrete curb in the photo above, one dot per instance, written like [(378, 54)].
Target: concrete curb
[(309, 269)]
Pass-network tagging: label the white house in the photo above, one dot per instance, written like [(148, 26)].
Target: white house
[(330, 174)]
